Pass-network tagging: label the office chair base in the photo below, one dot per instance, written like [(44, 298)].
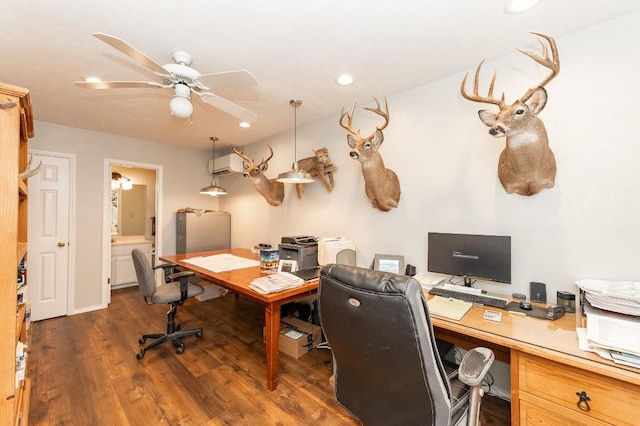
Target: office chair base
[(163, 338)]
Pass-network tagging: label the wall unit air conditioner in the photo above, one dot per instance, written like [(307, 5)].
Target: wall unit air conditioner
[(225, 165)]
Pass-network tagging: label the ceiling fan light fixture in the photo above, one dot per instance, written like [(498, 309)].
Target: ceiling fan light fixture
[(180, 104), (295, 175)]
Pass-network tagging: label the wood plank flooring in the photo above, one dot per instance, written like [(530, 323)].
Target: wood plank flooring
[(85, 372)]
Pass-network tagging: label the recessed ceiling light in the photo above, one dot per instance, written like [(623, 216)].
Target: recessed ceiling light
[(513, 7), (92, 80), (344, 80), (244, 124)]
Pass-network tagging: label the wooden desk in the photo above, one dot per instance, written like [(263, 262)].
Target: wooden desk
[(547, 369), (238, 281)]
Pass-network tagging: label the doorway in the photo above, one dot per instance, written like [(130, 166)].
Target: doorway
[(132, 207)]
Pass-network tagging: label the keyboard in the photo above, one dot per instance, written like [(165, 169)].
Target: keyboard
[(483, 299)]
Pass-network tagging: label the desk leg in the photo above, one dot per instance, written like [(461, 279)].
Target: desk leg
[(272, 332)]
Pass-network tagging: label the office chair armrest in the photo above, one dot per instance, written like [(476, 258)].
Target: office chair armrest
[(475, 365), (183, 276), (178, 275)]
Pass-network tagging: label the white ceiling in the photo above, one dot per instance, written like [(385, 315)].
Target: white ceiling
[(295, 49)]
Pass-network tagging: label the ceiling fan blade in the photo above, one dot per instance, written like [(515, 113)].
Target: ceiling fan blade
[(229, 107), (117, 84), (228, 80), (132, 52)]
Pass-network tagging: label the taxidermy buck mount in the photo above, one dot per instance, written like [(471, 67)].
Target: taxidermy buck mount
[(380, 184), (270, 189), (527, 164), (319, 165)]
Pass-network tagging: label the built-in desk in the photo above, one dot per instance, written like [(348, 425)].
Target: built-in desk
[(548, 369)]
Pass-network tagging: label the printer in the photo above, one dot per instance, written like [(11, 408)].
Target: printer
[(301, 248)]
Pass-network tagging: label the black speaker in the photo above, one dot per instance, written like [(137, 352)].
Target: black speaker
[(538, 292), (410, 270)]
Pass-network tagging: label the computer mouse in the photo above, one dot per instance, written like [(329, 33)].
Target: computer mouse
[(525, 305)]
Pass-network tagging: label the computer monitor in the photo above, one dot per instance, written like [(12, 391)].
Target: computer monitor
[(486, 257)]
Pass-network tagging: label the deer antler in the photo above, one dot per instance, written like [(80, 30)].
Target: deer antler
[(377, 110), (241, 154), (476, 97), (544, 60), (380, 112), (265, 162), (349, 116), (26, 173)]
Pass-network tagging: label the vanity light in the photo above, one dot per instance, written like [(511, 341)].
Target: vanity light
[(119, 181), (214, 190), (295, 175)]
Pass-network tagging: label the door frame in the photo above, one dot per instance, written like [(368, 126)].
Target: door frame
[(106, 219), (71, 273)]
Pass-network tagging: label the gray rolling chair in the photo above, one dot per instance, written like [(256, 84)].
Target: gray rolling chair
[(387, 370), (171, 292)]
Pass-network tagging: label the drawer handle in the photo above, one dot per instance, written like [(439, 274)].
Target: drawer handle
[(583, 403)]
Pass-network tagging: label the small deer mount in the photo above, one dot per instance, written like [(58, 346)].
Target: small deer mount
[(527, 164), (319, 165), (380, 184), (270, 189)]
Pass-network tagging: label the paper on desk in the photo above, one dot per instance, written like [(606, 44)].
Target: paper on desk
[(604, 351), (222, 262), (616, 296), (448, 308)]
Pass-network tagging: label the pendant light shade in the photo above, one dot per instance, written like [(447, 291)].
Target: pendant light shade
[(214, 190), (295, 175)]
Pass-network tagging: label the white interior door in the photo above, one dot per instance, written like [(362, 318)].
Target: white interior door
[(48, 246)]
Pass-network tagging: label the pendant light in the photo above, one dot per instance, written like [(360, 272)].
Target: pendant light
[(295, 175), (214, 190)]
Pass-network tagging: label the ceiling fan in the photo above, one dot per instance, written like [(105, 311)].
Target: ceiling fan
[(183, 79)]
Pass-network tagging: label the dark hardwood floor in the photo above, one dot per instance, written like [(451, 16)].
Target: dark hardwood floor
[(85, 371)]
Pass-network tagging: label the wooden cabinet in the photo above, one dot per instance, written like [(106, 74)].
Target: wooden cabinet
[(549, 395), (16, 127), (123, 273)]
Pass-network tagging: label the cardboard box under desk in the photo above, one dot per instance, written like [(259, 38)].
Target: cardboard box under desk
[(297, 337)]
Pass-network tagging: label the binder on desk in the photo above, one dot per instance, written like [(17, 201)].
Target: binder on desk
[(449, 308)]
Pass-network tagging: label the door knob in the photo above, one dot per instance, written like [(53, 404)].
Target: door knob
[(61, 244)]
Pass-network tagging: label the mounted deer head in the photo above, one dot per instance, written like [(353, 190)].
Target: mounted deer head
[(380, 184), (270, 189), (527, 164)]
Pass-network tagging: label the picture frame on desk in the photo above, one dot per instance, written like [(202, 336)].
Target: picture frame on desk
[(285, 265), (389, 263)]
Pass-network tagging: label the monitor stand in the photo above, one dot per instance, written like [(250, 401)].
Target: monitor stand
[(468, 281)]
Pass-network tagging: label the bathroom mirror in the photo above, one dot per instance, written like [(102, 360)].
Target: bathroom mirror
[(129, 210)]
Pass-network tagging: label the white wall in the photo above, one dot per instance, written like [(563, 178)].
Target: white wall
[(584, 227), (184, 173)]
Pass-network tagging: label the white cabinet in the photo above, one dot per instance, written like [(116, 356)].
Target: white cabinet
[(123, 274)]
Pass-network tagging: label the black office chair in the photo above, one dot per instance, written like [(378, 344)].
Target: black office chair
[(387, 370), (170, 291)]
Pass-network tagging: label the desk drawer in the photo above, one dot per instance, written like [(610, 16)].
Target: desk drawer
[(612, 400)]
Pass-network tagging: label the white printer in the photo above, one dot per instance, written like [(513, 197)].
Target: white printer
[(336, 250)]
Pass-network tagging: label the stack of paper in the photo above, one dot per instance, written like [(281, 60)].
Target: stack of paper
[(275, 282), (612, 309), (615, 296)]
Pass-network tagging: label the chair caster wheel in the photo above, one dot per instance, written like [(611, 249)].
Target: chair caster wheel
[(199, 335), (142, 340), (180, 350), (140, 354)]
